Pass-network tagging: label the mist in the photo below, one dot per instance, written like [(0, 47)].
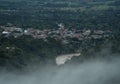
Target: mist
[(97, 71)]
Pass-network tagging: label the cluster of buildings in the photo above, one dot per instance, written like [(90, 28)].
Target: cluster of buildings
[(61, 33), (11, 31)]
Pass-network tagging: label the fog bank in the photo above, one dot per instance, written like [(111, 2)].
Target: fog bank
[(89, 72)]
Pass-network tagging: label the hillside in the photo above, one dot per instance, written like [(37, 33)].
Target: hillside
[(78, 17), (96, 14)]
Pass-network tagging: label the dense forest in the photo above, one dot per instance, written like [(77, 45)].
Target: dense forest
[(47, 14), (93, 14)]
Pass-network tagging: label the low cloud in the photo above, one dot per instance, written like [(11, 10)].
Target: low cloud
[(90, 72)]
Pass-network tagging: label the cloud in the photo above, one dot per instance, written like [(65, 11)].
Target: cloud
[(90, 72)]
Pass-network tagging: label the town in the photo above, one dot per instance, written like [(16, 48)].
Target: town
[(61, 33)]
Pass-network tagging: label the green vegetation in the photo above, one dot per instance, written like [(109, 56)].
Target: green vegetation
[(25, 50), (46, 14), (18, 53), (41, 14)]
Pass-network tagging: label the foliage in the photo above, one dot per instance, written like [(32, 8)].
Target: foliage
[(45, 14)]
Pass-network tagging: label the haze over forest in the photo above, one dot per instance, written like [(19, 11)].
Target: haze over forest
[(82, 35)]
